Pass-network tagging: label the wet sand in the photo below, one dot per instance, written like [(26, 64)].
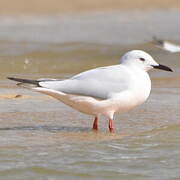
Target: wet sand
[(21, 7), (25, 110), (42, 138)]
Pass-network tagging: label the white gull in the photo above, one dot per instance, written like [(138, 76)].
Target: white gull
[(167, 46), (104, 90)]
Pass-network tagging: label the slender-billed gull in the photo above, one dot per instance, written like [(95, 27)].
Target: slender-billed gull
[(104, 90), (167, 46)]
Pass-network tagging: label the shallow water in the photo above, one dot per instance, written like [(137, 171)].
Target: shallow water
[(44, 139)]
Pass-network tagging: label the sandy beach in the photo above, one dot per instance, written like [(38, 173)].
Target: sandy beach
[(42, 138), (21, 7)]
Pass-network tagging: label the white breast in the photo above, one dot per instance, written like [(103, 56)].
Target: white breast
[(136, 94)]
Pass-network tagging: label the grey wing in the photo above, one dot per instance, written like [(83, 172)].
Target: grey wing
[(171, 47), (99, 83)]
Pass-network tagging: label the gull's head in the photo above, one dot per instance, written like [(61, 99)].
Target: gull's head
[(142, 60)]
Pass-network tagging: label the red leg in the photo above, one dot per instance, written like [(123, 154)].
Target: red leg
[(95, 124), (111, 129)]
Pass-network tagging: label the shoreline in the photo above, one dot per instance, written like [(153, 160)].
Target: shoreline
[(55, 7)]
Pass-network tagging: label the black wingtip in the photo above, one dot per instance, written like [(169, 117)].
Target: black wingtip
[(158, 41), (35, 82), (11, 78)]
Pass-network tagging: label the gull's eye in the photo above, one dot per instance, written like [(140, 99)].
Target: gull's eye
[(142, 59)]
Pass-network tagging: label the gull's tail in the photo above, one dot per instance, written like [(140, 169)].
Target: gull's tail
[(29, 83), (25, 81)]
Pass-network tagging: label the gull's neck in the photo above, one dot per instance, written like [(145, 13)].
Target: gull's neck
[(140, 84)]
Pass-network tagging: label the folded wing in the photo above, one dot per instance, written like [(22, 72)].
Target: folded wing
[(99, 83)]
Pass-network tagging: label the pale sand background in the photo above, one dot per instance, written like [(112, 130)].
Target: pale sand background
[(18, 7), (41, 138)]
